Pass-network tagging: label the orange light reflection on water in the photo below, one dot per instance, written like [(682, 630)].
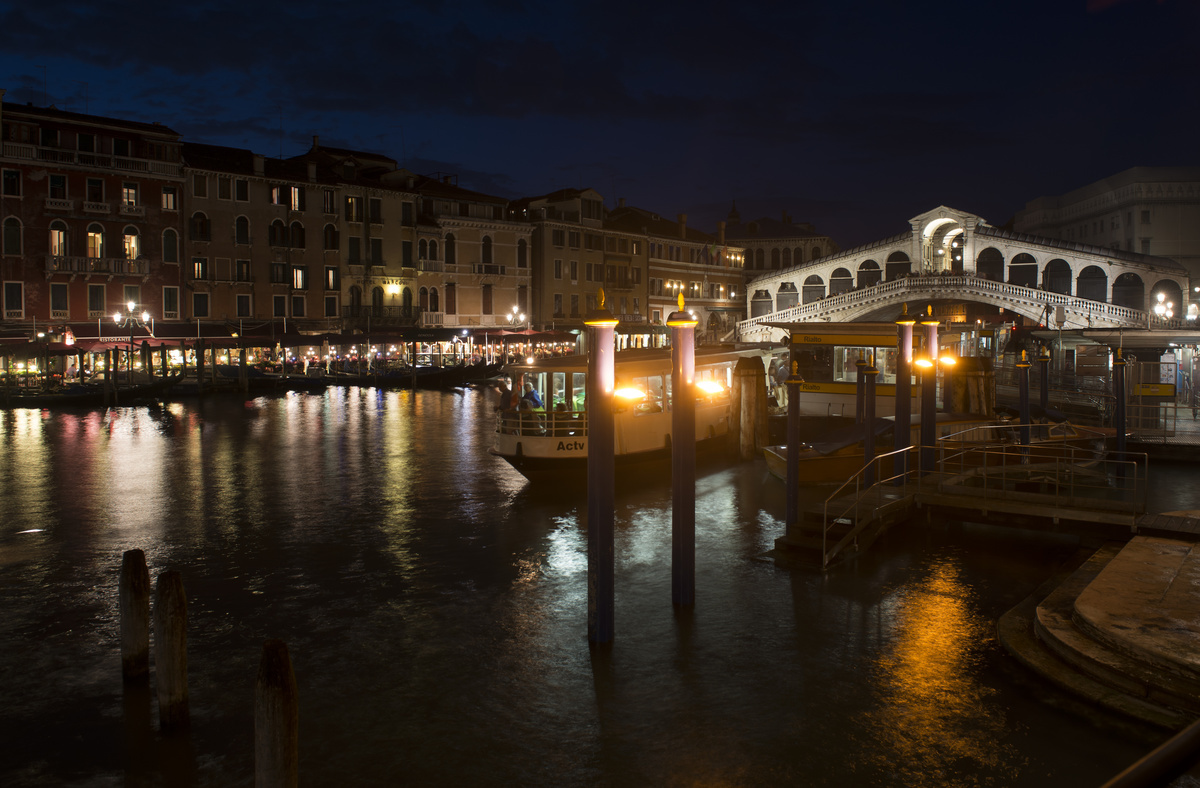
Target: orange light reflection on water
[(933, 714)]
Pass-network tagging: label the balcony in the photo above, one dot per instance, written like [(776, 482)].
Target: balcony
[(111, 266), (92, 160), (132, 210), (381, 315), (95, 207), (55, 204), (431, 266)]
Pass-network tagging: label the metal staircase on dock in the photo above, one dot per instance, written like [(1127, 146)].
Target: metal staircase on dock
[(999, 484)]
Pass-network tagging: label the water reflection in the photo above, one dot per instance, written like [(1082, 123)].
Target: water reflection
[(435, 608), (934, 717)]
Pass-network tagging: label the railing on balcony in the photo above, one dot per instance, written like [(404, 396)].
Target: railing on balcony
[(56, 204), (382, 315), (96, 265), (82, 158), (132, 210), (431, 266), (95, 207)]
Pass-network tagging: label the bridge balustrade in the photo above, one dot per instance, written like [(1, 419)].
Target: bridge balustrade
[(1030, 301)]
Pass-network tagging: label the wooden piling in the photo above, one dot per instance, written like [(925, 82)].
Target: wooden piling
[(750, 379), (170, 651), (276, 719), (133, 595)]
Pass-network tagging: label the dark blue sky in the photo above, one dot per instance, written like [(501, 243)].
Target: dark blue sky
[(853, 115)]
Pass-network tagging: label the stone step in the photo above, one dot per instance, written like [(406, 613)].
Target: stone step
[(1057, 626), (1016, 632)]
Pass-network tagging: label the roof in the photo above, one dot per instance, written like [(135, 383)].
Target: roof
[(639, 220), (984, 231), (768, 228), (54, 113)]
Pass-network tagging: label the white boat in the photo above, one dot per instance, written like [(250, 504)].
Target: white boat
[(552, 442)]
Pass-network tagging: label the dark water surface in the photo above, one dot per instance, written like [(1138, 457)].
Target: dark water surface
[(435, 609)]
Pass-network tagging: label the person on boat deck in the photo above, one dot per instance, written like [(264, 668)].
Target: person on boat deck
[(505, 395), (530, 399)]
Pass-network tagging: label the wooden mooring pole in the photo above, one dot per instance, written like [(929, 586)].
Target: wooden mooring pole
[(170, 651), (276, 720), (133, 603)]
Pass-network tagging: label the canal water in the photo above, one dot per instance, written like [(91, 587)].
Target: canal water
[(434, 605)]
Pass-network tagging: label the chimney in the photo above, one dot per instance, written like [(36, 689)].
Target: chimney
[(316, 142), (410, 182), (620, 202), (312, 171), (720, 233), (682, 225), (446, 179), (260, 164), (2, 92)]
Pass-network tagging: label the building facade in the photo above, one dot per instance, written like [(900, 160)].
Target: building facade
[(1143, 210), (91, 217)]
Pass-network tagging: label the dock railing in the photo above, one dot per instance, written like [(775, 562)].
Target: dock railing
[(1060, 476)]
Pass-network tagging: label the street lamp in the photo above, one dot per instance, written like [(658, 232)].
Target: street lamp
[(929, 372), (1164, 309), (516, 317), (130, 320)]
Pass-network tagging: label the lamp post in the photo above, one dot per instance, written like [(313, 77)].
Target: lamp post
[(1164, 310), (130, 320), (515, 318)]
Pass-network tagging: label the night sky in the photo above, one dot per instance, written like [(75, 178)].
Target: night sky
[(854, 116)]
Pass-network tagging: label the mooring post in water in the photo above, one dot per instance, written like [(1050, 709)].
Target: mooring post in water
[(601, 463), (745, 409), (860, 391), (243, 373), (1119, 411), (903, 408), (792, 485), (869, 373), (1044, 381), (170, 651), (276, 720), (199, 365), (1023, 398), (929, 394), (133, 602), (683, 455)]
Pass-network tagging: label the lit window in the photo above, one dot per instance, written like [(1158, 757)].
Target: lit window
[(131, 243), (95, 242)]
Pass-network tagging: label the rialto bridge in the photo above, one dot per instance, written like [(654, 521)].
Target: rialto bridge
[(952, 257)]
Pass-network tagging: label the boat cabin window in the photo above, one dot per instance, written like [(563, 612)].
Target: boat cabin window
[(657, 398), (567, 390), (845, 363)]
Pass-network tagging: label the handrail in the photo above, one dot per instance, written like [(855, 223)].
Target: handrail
[(876, 463), (989, 461), (1164, 763)]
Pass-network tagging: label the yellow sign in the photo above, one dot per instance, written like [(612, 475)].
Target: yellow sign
[(846, 340), (1154, 390)]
